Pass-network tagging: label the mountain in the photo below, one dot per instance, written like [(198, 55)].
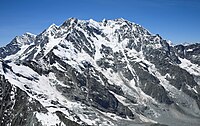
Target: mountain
[(112, 72), (17, 46)]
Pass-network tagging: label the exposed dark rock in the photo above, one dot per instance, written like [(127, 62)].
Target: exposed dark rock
[(16, 107), (151, 85), (66, 121), (190, 52)]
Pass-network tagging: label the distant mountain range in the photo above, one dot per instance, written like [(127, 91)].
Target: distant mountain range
[(108, 73)]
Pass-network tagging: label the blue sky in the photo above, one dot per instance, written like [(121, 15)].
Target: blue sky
[(175, 20)]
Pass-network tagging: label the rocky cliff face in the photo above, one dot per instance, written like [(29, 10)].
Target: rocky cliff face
[(113, 72)]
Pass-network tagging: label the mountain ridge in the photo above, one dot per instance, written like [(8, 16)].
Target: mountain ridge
[(112, 72)]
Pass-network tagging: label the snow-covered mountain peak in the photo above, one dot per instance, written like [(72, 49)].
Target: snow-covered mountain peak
[(109, 31), (69, 22), (26, 39), (52, 27), (29, 34), (50, 31), (107, 73)]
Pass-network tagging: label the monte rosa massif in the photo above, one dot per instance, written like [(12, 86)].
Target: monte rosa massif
[(108, 73)]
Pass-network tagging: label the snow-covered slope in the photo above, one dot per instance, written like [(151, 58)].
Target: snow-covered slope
[(18, 45), (112, 72)]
